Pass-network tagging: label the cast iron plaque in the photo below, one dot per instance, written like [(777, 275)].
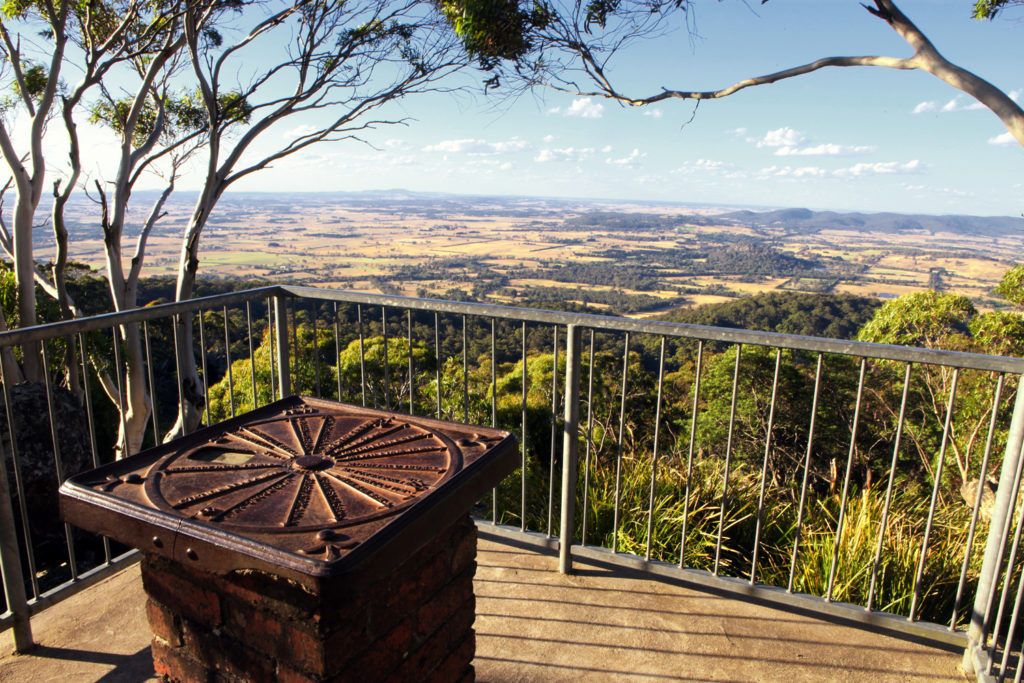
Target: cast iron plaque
[(301, 485)]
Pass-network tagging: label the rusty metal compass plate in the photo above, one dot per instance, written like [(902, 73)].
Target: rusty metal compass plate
[(301, 484)]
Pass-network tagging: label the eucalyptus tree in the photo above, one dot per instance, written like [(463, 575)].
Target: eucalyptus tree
[(43, 43), (331, 67)]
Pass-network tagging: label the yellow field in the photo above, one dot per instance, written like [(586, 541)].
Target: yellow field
[(457, 244)]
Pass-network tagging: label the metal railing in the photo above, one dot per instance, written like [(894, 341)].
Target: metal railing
[(815, 474)]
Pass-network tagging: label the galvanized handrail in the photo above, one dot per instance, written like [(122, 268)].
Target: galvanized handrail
[(574, 325), (907, 354)]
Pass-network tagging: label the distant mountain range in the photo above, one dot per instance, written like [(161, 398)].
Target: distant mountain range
[(805, 221), (793, 221)]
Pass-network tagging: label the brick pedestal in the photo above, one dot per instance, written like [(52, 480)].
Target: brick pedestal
[(413, 622)]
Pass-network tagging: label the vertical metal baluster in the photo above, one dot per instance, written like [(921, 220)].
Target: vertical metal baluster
[(1011, 565), (412, 366), (57, 465), (589, 439), (554, 431), (764, 468), (982, 478), (437, 362), (387, 366), (206, 375), (494, 413), (297, 372), (654, 454), (846, 482), (570, 447), (316, 346), (689, 455), (252, 355), (19, 485), (618, 448), (121, 407), (94, 449), (465, 372), (362, 357), (888, 488), (270, 340), (1008, 641), (728, 458), (227, 358), (522, 442), (803, 484), (152, 384), (10, 567), (284, 372), (935, 496), (337, 348)]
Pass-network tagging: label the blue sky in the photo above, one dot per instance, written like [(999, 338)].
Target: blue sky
[(846, 139)]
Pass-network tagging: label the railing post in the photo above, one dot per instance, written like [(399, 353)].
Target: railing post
[(10, 565), (281, 329), (987, 579), (570, 446)]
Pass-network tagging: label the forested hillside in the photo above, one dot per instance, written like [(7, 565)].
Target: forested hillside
[(838, 316)]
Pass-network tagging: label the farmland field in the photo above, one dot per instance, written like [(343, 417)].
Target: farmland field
[(630, 257)]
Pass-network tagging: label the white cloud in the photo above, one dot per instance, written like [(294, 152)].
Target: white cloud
[(478, 147), (606, 149), (703, 166), (634, 156), (548, 139), (957, 104), (739, 132), (880, 168), (584, 108), (564, 154), (1002, 139), (653, 113), (801, 172), (789, 142), (298, 132), (395, 143), (782, 137), (952, 105), (824, 150)]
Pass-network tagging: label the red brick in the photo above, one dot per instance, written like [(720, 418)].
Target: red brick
[(179, 594), (422, 584), (281, 640), (464, 551), (163, 623), (461, 622), (425, 658), (271, 593), (171, 664), (382, 657), (344, 646), (431, 615), (457, 665), (286, 674), (228, 659)]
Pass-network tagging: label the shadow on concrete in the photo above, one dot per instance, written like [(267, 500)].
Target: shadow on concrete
[(127, 668)]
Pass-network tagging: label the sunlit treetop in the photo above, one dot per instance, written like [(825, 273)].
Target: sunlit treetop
[(495, 30), (988, 9)]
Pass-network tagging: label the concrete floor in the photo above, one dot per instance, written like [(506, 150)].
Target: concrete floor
[(534, 624)]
